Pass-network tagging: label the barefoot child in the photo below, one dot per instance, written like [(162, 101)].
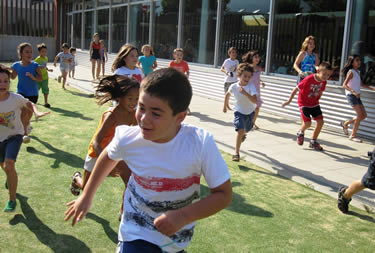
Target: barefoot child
[(125, 91), (352, 86), (42, 60), (245, 96), (125, 63), (147, 61), (310, 90), (167, 159), (65, 62), (12, 128), (229, 68)]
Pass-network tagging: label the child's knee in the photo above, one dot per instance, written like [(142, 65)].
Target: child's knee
[(320, 122), (9, 166)]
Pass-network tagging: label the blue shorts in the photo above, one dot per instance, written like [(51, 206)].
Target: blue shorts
[(368, 179), (10, 147), (137, 246), (243, 121), (353, 100)]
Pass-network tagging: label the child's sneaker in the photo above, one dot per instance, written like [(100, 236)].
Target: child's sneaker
[(342, 202), (11, 205), (300, 138), (315, 145)]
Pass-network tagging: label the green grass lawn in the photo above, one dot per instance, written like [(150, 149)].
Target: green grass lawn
[(268, 213)]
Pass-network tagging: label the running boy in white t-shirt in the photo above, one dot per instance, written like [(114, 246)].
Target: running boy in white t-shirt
[(167, 158), (245, 94), (229, 68)]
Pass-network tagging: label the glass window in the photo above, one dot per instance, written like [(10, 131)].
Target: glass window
[(77, 25), (295, 20), (199, 28), (89, 28), (77, 5), (103, 2), (119, 26), (245, 27), (89, 4), (165, 28), (139, 24), (119, 1), (362, 38), (103, 24), (69, 29)]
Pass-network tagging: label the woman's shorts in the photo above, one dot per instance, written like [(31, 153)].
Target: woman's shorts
[(89, 163), (243, 121), (33, 99), (353, 100), (10, 147), (368, 179)]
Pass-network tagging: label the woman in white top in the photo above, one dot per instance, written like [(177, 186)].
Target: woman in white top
[(352, 86)]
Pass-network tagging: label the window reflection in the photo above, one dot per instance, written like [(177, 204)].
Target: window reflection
[(89, 28), (77, 25), (119, 27), (139, 24)]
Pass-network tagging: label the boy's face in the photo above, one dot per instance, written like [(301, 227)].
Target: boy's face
[(73, 52), (65, 50), (156, 120), (324, 74), (4, 83), (179, 56), (43, 52), (232, 54), (245, 77)]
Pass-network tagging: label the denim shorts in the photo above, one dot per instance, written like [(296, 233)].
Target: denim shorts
[(137, 246), (353, 100), (368, 179), (10, 147), (243, 121)]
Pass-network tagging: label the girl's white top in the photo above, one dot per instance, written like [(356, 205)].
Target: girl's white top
[(355, 82)]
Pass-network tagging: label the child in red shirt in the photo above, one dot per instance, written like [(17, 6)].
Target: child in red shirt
[(310, 90), (178, 62)]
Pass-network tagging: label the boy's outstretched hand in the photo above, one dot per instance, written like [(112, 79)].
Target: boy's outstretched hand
[(78, 209), (285, 104), (170, 222)]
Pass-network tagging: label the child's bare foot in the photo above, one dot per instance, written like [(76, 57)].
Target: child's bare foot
[(40, 114)]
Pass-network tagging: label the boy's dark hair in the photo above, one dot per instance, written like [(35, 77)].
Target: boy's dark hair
[(41, 46), (244, 67), (72, 49), (5, 70), (114, 87), (248, 57), (171, 86), (21, 47), (349, 64), (65, 45), (325, 65), (121, 55)]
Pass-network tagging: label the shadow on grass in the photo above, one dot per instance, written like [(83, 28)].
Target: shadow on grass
[(59, 155), (246, 169), (361, 216), (80, 94), (112, 235), (56, 242), (71, 114), (239, 205)]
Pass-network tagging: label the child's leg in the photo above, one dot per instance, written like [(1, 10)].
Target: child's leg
[(103, 68), (70, 73), (64, 74), (240, 134), (354, 188), (256, 115), (360, 115), (318, 128), (93, 62), (73, 71), (86, 176), (98, 69), (9, 168)]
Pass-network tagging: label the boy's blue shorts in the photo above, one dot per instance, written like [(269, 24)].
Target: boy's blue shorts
[(243, 121), (368, 179), (137, 246), (10, 147)]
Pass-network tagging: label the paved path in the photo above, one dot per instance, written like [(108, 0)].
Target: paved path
[(274, 148)]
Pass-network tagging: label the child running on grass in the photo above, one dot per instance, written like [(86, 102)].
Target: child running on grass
[(12, 128), (42, 59), (147, 60), (345, 194), (167, 159), (253, 58), (65, 62), (245, 95), (126, 92), (310, 90), (352, 86), (72, 69), (126, 61)]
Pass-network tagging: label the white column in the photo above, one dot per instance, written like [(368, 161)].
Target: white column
[(180, 22), (269, 37), (219, 14)]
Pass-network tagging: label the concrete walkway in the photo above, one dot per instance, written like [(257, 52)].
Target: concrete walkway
[(274, 148)]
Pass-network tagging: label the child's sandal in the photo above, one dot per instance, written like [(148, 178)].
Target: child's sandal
[(74, 188), (235, 158), (344, 128)]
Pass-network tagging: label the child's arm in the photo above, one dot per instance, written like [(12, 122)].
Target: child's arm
[(155, 65), (108, 121), (187, 73), (349, 77), (297, 62), (290, 97), (222, 69), (106, 54), (55, 61), (317, 62), (80, 207), (172, 221), (38, 77), (226, 102), (252, 98), (367, 86), (90, 50)]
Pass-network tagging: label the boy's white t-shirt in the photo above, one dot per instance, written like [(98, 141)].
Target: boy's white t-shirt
[(10, 116), (165, 176), (135, 73), (230, 66), (242, 103)]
